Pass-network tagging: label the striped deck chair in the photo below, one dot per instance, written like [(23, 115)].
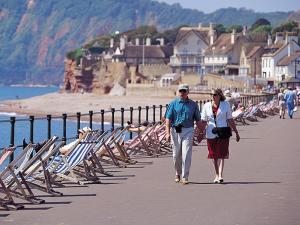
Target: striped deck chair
[(105, 153), (6, 201), (12, 179), (238, 116), (35, 172), (141, 143), (113, 150), (64, 166), (6, 152)]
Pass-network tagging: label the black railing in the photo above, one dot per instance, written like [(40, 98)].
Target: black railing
[(157, 113)]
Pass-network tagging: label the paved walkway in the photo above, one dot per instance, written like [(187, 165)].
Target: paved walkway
[(262, 185)]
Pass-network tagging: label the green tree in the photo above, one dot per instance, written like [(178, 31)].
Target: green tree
[(238, 28), (260, 22), (220, 29)]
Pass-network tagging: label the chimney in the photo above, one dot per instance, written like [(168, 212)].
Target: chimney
[(269, 40), (233, 36), (245, 30), (162, 41), (200, 25), (111, 43), (137, 41), (211, 40), (289, 49), (148, 41), (211, 34)]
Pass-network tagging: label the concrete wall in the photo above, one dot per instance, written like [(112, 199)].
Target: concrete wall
[(150, 90)]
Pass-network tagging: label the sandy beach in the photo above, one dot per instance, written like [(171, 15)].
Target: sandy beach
[(58, 103)]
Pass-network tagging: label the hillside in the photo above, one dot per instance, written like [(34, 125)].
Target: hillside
[(36, 34)]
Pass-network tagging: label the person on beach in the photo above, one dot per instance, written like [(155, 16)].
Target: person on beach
[(215, 117), (291, 101), (281, 103), (180, 117), (81, 132)]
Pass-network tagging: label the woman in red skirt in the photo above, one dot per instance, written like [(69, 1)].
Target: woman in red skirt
[(216, 115)]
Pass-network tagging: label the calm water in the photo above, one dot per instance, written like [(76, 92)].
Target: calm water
[(40, 126)]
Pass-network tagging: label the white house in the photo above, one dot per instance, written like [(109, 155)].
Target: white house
[(278, 61), (190, 44), (167, 79)]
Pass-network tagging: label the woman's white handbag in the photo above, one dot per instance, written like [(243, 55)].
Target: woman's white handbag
[(295, 109)]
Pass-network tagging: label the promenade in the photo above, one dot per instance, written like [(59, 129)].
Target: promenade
[(262, 185)]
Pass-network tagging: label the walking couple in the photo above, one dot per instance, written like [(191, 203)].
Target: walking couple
[(214, 119)]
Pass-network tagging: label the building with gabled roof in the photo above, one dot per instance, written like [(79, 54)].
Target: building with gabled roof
[(281, 59), (189, 48)]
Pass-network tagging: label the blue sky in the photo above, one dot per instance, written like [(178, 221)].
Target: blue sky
[(257, 5)]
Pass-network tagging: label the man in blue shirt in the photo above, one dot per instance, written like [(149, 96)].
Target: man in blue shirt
[(180, 117), (291, 100)]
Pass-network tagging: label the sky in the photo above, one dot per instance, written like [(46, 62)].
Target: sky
[(208, 6)]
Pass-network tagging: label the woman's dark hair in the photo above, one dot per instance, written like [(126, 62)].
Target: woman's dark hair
[(219, 92)]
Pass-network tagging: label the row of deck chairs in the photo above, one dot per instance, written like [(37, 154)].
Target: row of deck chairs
[(47, 168), (252, 112)]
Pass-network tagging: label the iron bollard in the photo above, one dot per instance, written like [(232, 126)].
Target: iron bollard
[(49, 126), (12, 136), (91, 119), (78, 115)]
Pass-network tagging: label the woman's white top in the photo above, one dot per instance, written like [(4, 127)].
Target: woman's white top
[(223, 114)]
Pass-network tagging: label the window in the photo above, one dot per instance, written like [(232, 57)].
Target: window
[(185, 42), (198, 42)]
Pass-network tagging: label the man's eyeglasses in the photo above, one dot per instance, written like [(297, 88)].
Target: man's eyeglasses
[(215, 94), (182, 91)]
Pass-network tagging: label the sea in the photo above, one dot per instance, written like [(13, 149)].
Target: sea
[(22, 128)]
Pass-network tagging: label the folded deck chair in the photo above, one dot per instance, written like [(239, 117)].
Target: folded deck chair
[(64, 166), (12, 179), (5, 153)]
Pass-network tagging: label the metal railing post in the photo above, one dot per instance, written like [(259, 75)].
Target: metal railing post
[(64, 116), (78, 115), (131, 119), (102, 121), (31, 121), (139, 117), (12, 136), (160, 112), (91, 119), (147, 113), (49, 125), (113, 118), (154, 107), (122, 118)]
